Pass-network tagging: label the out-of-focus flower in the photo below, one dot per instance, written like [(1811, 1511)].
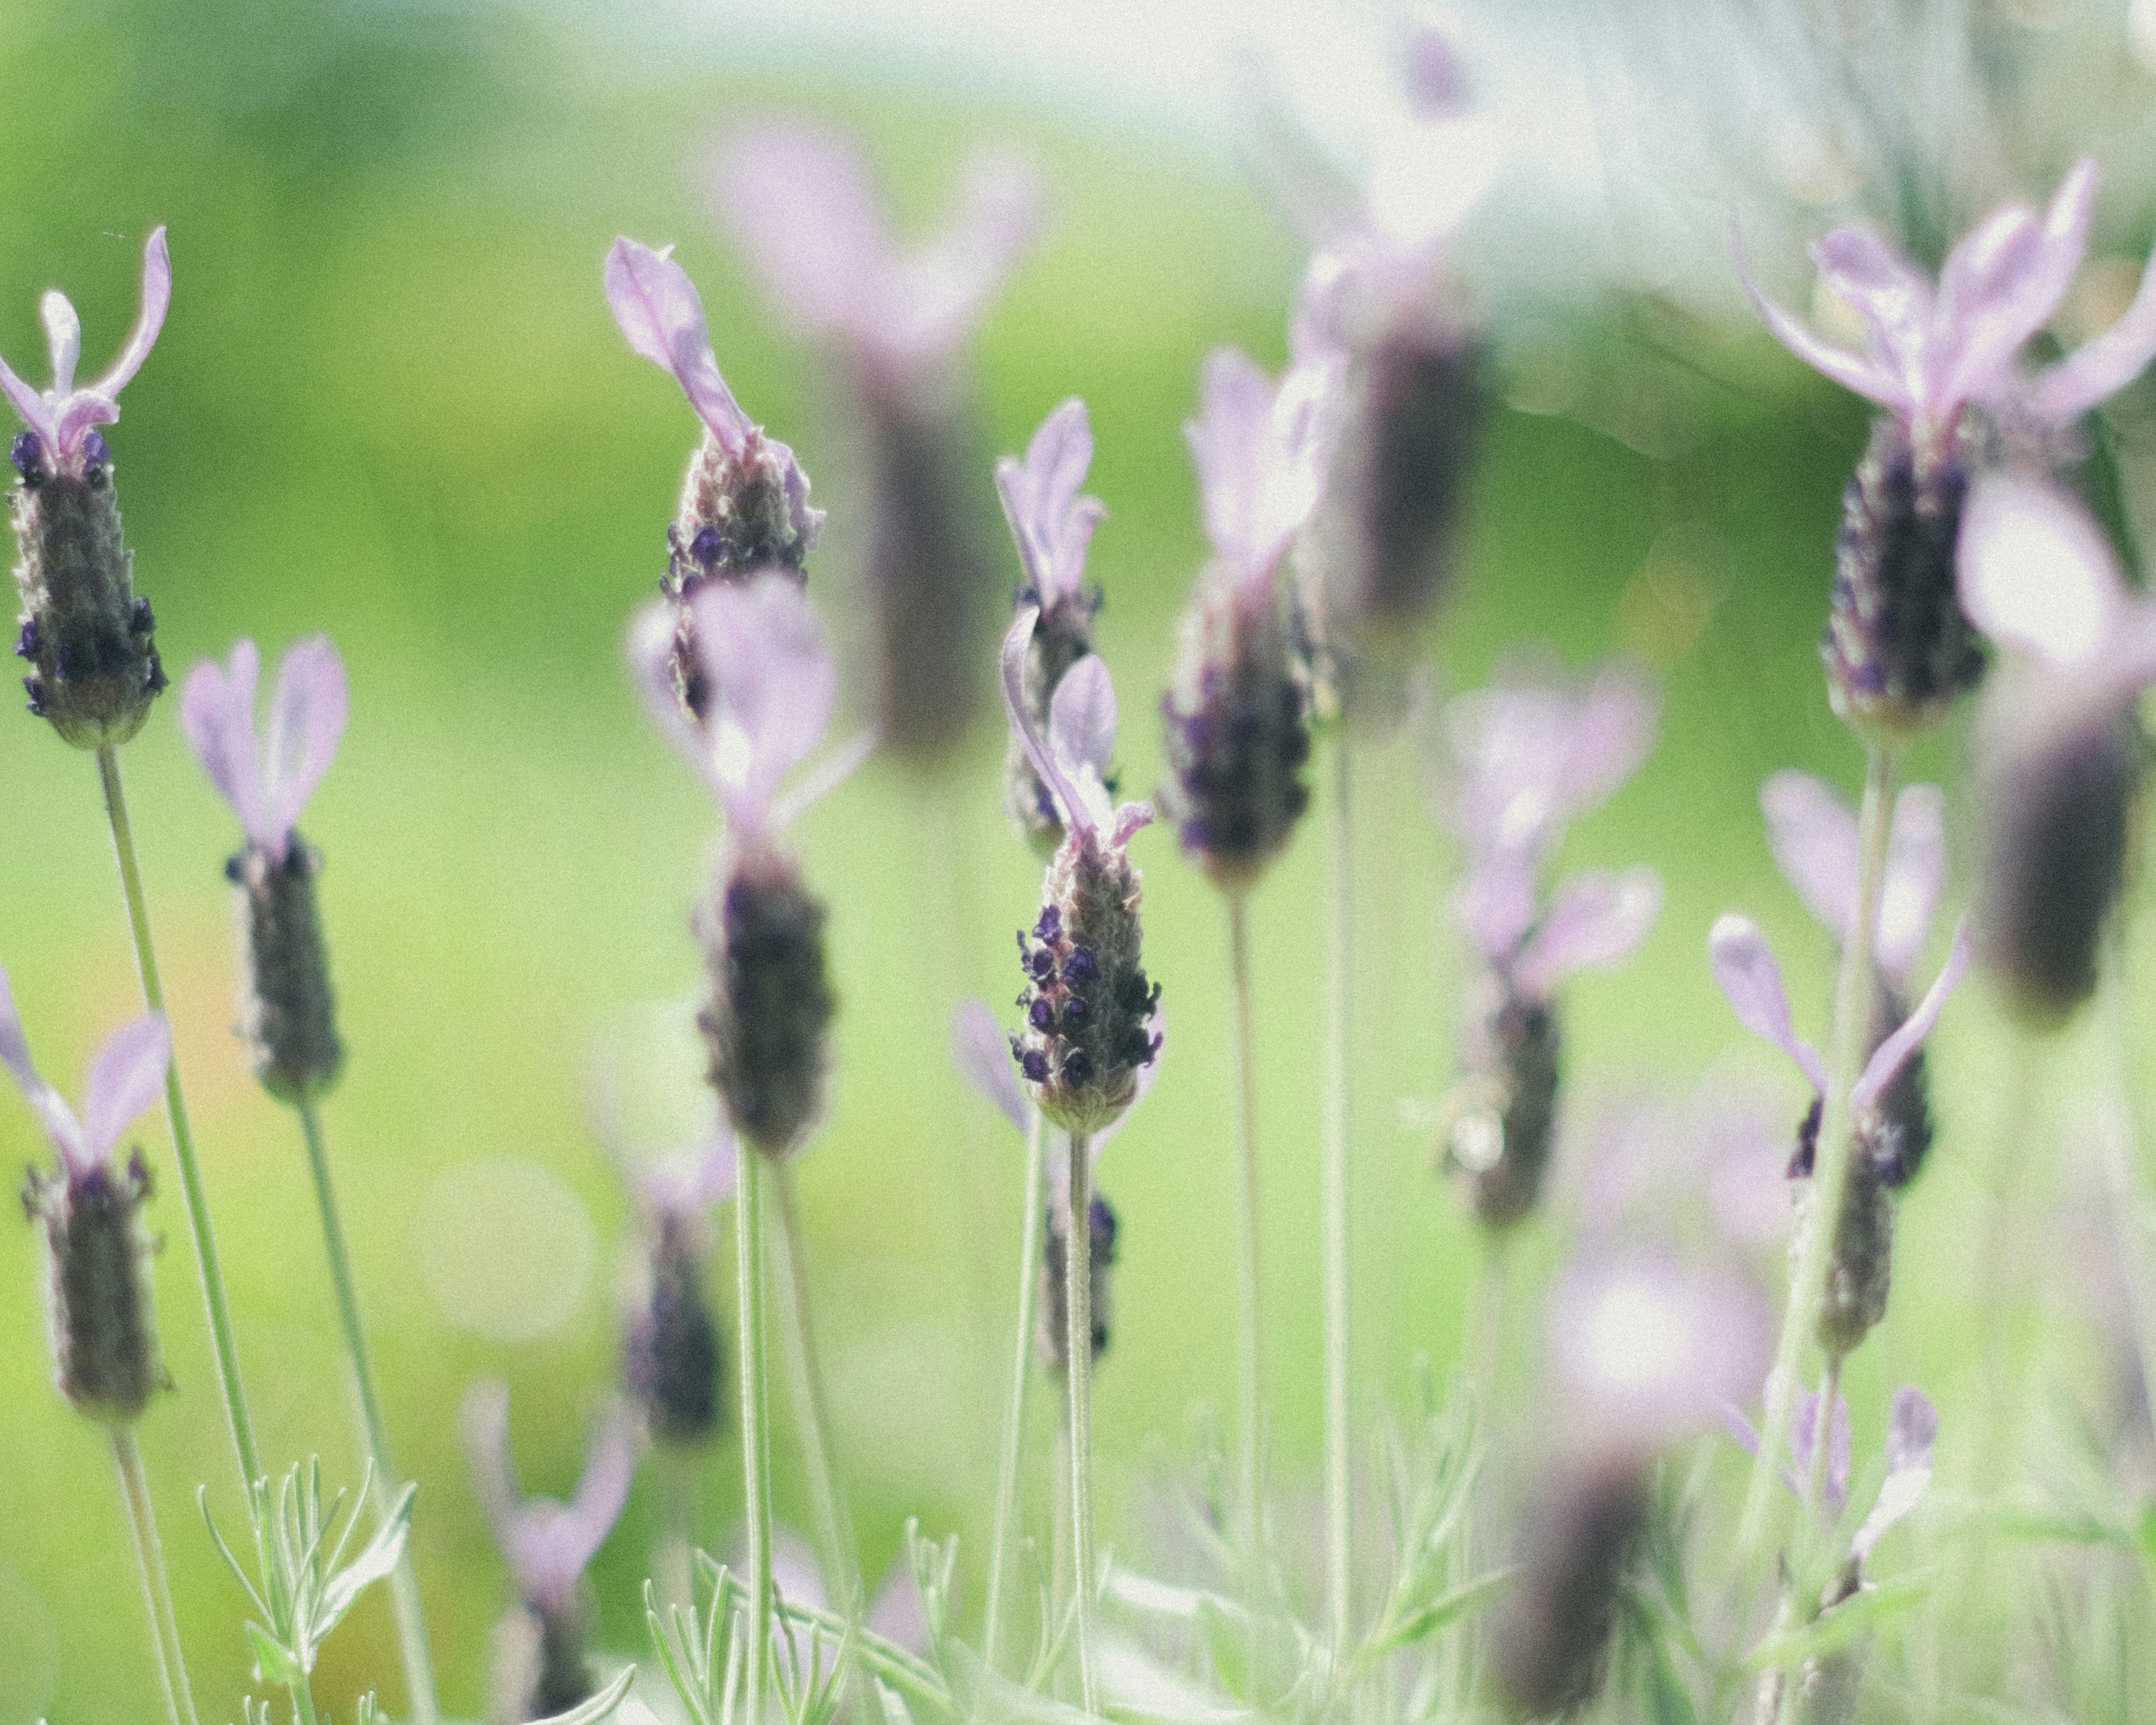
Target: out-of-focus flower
[(1238, 710), (98, 1294), (63, 420), (2061, 749)]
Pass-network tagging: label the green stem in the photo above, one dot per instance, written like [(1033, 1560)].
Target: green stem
[(755, 1424), (1249, 1284), (183, 1140), (404, 1580), (2122, 1169), (1078, 1336), (303, 1701), (1029, 1277), (157, 1584), (1852, 1017), (1339, 1510)]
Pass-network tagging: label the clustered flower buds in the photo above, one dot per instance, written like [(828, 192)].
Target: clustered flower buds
[(673, 1362), (90, 641), (288, 1010), (1052, 1321), (745, 503), (1528, 754), (1239, 708), (99, 1296)]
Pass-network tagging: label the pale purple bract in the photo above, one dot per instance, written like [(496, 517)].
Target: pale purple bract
[(547, 1544), (63, 415), (1051, 523), (267, 783), (125, 1076)]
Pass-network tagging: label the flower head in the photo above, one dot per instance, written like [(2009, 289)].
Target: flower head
[(1262, 450), (1051, 522), (267, 783), (125, 1076), (548, 1544), (63, 418), (1912, 1426)]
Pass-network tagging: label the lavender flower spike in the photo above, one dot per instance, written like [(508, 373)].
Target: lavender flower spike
[(105, 1356), (288, 1008), (539, 1667), (63, 418)]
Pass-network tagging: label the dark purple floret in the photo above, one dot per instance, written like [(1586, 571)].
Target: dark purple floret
[(1041, 1015), (1040, 963), (1032, 1062), (672, 1358), (1053, 1333), (33, 686), (768, 1015), (106, 1356), (26, 641), (1079, 967), (288, 1008), (95, 452), (709, 545), (144, 620), (27, 453), (1050, 924), (1502, 1146)]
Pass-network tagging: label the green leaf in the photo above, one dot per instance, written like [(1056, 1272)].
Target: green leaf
[(891, 1702), (374, 1563), (1446, 1608), (599, 1706), (1854, 1616), (273, 1659)]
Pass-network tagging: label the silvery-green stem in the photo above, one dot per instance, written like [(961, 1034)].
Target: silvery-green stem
[(1852, 1017), (1078, 1301), (1029, 1275), (183, 1141), (1339, 1526), (756, 1423), (404, 1580), (2121, 1163), (156, 1585), (1249, 1284)]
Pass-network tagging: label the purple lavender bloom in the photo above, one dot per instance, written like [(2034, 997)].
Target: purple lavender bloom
[(1053, 525), (800, 202), (288, 1008), (2059, 748), (980, 1049), (540, 1666), (63, 418), (103, 1323), (1237, 709)]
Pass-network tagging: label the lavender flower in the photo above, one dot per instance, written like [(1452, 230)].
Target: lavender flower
[(540, 1667), (1238, 710), (773, 685), (2060, 746), (800, 202), (99, 1292), (88, 639), (1053, 527), (1528, 754), (1898, 648), (288, 1010), (1812, 834), (672, 1358), (745, 503), (1861, 1270)]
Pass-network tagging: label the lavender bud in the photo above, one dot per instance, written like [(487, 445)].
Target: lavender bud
[(1861, 1270), (95, 662), (288, 1010), (1900, 1130), (1062, 637), (1238, 732), (1501, 1139), (1052, 1330), (1552, 1640), (671, 1359), (2059, 814), (538, 1667), (1898, 650), (770, 1000), (1088, 1005), (100, 1302)]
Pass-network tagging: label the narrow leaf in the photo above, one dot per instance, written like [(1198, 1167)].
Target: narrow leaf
[(599, 1706), (1446, 1608), (1854, 1616)]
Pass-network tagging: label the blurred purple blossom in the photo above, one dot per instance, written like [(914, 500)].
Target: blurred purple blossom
[(62, 416), (1051, 523), (125, 1076), (267, 785), (1074, 759), (1912, 1426), (1812, 835), (1262, 450), (980, 1049), (547, 1544)]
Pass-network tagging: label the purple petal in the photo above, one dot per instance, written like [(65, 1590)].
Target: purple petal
[(825, 777), (1891, 295), (1913, 1424), (1803, 1423), (2000, 284), (798, 200), (660, 312), (1893, 1054), (981, 1054), (1051, 523), (651, 638), (1596, 918), (63, 338), (1235, 401), (942, 291), (1744, 965), (1431, 75), (1130, 818), (486, 1422), (609, 1465), (896, 1613), (688, 1183), (217, 716), (2100, 367), (1916, 871), (1613, 732), (1495, 905), (1081, 719), (126, 1075), (772, 675), (1813, 837), (1076, 810), (2036, 572), (76, 415), (51, 1108), (156, 297), (1872, 381), (35, 411), (307, 718)]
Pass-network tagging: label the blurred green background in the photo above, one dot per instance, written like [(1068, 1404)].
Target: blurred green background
[(390, 403)]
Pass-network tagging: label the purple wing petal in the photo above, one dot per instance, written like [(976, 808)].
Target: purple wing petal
[(1495, 905), (1051, 523), (2002, 282), (1612, 732), (1082, 723), (1744, 965), (217, 714), (1893, 1054), (1865, 377), (772, 674), (36, 412), (1891, 295), (2097, 369), (63, 338), (1236, 404), (2035, 572), (51, 1108), (1913, 1424), (651, 638), (1076, 810), (486, 1422), (157, 298), (307, 718), (1916, 870), (798, 200), (825, 777), (1596, 918), (1813, 836), (662, 316), (981, 1054), (127, 1076), (1803, 1425), (943, 290), (609, 1465)]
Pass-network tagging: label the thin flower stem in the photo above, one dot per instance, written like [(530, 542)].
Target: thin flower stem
[(1029, 1274), (756, 1426), (1852, 1015), (2122, 1170), (1078, 1335), (156, 1585), (183, 1139), (1796, 1609), (303, 1702), (1249, 1284), (404, 1580), (1339, 1525)]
